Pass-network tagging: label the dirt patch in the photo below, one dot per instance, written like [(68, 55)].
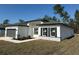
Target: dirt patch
[(41, 47)]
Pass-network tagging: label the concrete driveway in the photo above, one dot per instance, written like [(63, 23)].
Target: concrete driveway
[(15, 41)]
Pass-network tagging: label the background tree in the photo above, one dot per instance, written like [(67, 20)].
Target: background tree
[(21, 21), (54, 18), (65, 17), (6, 21), (77, 17), (77, 20), (72, 23), (49, 19), (46, 18), (58, 9)]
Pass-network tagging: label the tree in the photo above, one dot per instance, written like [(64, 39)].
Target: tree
[(21, 21), (65, 17), (46, 18), (58, 20), (58, 9), (54, 18), (77, 20), (71, 20), (77, 17), (6, 21)]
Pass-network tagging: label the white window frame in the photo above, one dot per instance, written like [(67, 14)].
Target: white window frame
[(34, 31), (42, 32), (50, 32)]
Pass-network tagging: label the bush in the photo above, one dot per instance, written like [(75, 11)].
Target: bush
[(29, 37), (24, 38), (14, 38)]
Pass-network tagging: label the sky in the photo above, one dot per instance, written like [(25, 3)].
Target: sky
[(27, 12)]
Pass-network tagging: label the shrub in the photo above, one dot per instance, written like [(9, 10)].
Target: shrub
[(24, 38)]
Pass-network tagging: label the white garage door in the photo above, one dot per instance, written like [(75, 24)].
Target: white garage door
[(11, 33)]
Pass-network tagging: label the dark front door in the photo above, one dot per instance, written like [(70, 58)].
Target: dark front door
[(11, 33)]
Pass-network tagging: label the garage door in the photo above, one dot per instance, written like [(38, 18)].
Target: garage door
[(11, 33)]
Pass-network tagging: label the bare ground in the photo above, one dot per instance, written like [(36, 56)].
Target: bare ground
[(41, 47)]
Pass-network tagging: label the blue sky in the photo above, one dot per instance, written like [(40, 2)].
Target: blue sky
[(14, 12)]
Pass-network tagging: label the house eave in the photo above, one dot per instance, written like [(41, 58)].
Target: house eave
[(49, 24)]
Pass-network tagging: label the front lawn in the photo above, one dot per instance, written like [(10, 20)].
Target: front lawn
[(43, 47)]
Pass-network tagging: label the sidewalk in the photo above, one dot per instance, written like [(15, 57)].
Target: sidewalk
[(15, 41)]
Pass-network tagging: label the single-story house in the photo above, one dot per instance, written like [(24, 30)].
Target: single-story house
[(40, 30), (53, 31)]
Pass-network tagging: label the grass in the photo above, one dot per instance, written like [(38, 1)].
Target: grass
[(41, 47)]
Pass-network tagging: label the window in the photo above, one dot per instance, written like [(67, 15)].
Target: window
[(35, 30), (53, 32), (49, 32), (44, 31)]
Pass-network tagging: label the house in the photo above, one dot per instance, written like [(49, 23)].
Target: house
[(53, 31), (39, 29)]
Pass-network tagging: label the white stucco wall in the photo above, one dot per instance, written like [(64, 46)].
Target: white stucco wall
[(62, 32), (48, 38), (66, 32), (23, 31), (30, 32)]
